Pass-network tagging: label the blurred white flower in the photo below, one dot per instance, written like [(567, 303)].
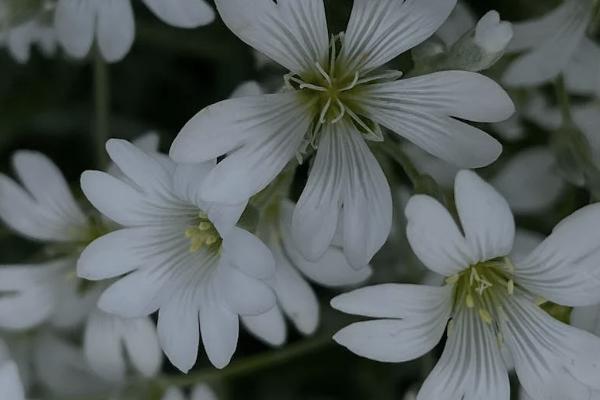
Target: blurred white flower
[(183, 256), (20, 39), (112, 23), (335, 99), (550, 43), (490, 300), (111, 343), (11, 387), (199, 392), (44, 209), (61, 367), (295, 298), (529, 181), (472, 45)]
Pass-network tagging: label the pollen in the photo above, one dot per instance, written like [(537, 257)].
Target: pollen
[(479, 286), (203, 235)]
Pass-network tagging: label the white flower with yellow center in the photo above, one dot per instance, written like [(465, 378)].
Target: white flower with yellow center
[(335, 98), (490, 300), (182, 256), (112, 23)]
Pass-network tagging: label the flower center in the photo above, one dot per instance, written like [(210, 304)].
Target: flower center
[(335, 92), (203, 234), (479, 287)]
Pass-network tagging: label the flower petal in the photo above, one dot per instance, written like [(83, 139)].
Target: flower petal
[(74, 21), (332, 269), (295, 296), (115, 29), (420, 110), (380, 31), (564, 268), (471, 366), (268, 327), (182, 13), (220, 329), (485, 217), (315, 218), (554, 38), (553, 360), (581, 75), (102, 347), (248, 254), (140, 166), (260, 133), (178, 330), (394, 300), (434, 237), (587, 119), (460, 21), (47, 185), (142, 345), (587, 318), (367, 202), (530, 182), (290, 32), (126, 205), (173, 393), (203, 392), (136, 295), (10, 382), (393, 340), (244, 295)]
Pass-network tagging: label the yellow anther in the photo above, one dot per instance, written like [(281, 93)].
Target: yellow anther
[(485, 316), (511, 287), (204, 225), (212, 239), (190, 232), (470, 301)]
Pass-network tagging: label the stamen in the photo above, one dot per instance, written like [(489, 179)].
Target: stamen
[(511, 287), (325, 74), (452, 279), (388, 76), (353, 84), (332, 55), (324, 111), (313, 87), (470, 301), (342, 112)]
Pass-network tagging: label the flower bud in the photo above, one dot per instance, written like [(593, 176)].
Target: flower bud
[(492, 34)]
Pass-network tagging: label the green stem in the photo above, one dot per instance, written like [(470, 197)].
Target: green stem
[(249, 364), (102, 109)]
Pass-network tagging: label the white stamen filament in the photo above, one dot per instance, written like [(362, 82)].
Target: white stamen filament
[(324, 111), (342, 112), (325, 74)]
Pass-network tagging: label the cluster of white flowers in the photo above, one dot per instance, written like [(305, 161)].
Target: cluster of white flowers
[(209, 235)]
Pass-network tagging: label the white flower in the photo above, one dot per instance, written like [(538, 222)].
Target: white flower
[(551, 42), (295, 297), (490, 299), (183, 256), (111, 22), (200, 392), (335, 99)]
